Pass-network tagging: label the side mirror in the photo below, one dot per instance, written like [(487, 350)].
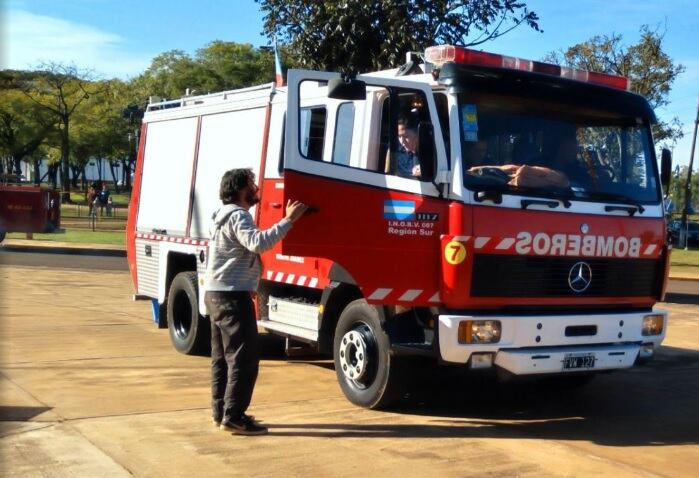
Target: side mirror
[(425, 151), (346, 89), (665, 168)]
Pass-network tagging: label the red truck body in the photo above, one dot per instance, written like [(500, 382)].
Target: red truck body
[(29, 209)]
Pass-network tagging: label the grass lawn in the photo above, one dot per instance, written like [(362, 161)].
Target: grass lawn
[(121, 199), (78, 236), (685, 262)]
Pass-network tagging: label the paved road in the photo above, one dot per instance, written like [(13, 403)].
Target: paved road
[(88, 387)]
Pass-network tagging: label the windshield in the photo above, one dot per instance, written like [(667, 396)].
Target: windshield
[(529, 146)]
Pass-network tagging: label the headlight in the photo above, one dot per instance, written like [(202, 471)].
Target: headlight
[(479, 331), (653, 324)]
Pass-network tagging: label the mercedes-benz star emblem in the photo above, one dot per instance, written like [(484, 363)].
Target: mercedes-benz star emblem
[(584, 228), (580, 277)]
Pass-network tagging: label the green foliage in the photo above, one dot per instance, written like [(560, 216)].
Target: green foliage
[(678, 185), (359, 36), (59, 90), (24, 125), (645, 63), (216, 67)]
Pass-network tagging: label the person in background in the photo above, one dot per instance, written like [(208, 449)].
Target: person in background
[(232, 276)]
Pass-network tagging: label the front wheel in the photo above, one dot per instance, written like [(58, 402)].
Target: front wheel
[(190, 333), (368, 375)]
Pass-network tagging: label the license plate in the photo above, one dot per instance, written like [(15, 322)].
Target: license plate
[(578, 361)]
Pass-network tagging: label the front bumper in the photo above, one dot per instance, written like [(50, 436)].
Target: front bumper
[(539, 344)]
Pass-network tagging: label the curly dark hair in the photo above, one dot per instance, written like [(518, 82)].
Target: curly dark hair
[(233, 182)]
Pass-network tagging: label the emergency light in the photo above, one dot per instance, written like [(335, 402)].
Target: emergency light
[(439, 55)]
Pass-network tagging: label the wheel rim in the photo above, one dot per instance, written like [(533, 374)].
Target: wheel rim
[(358, 355), (182, 320)]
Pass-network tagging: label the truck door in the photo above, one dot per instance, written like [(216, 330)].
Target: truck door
[(378, 224)]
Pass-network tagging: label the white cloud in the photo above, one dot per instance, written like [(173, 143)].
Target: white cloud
[(33, 39)]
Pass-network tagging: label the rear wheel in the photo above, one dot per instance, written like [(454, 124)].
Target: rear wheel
[(190, 333), (368, 375)]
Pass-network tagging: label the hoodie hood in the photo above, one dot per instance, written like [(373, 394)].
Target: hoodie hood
[(224, 213)]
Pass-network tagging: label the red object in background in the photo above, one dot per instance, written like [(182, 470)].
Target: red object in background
[(29, 209)]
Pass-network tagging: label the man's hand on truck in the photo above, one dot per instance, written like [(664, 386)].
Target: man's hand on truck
[(294, 210)]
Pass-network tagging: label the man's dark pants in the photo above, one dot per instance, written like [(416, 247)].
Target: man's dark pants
[(235, 352)]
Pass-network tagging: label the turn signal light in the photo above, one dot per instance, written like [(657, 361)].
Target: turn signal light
[(479, 331), (653, 324), (441, 54)]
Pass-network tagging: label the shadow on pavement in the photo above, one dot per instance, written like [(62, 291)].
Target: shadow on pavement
[(20, 414), (652, 405), (677, 298)]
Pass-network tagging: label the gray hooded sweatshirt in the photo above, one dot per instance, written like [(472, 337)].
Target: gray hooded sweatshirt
[(234, 249)]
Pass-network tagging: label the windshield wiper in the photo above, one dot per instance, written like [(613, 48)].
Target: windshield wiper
[(494, 193), (631, 206), (539, 202)]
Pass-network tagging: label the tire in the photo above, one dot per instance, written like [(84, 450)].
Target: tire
[(368, 375), (190, 333)]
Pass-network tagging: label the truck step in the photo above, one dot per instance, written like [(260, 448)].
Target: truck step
[(289, 330), (294, 312)]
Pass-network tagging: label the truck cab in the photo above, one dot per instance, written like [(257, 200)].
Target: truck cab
[(534, 237)]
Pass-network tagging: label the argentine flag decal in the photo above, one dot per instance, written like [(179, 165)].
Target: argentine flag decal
[(400, 210)]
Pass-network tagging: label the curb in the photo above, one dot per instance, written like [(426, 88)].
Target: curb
[(78, 251), (684, 278)]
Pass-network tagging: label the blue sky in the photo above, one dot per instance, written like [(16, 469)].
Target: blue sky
[(120, 37)]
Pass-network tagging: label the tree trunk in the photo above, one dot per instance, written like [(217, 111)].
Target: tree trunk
[(76, 175), (53, 175), (17, 166), (37, 172), (65, 161), (114, 177)]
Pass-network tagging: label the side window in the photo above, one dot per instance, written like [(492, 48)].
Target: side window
[(407, 110), (440, 101), (282, 149), (344, 125), (312, 131)]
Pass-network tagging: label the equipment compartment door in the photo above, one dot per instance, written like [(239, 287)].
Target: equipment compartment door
[(381, 228)]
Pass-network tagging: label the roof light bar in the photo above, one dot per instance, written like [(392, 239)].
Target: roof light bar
[(439, 55)]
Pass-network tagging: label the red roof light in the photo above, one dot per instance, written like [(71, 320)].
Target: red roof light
[(439, 55)]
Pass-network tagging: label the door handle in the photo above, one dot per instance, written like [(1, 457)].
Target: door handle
[(276, 205)]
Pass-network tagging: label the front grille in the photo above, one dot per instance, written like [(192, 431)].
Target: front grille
[(525, 276)]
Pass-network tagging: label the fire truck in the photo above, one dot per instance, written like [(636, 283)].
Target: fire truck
[(528, 237)]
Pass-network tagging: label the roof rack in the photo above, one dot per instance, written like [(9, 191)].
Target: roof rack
[(208, 99)]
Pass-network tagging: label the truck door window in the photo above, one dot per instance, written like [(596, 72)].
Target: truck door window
[(344, 125), (440, 101), (312, 132), (410, 111)]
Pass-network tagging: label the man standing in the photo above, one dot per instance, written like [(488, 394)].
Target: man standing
[(232, 276)]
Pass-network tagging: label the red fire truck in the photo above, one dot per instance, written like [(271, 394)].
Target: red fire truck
[(472, 209)]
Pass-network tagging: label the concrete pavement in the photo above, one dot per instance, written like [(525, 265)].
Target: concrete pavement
[(91, 388)]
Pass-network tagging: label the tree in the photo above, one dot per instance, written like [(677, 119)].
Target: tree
[(216, 67), (61, 89), (24, 125), (100, 132), (649, 68), (357, 36)]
